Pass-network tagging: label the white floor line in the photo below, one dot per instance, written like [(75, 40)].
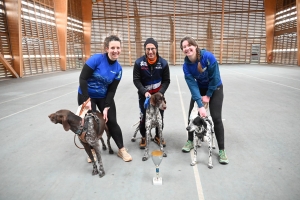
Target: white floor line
[(195, 168), (35, 105), (37, 92), (271, 74), (264, 79)]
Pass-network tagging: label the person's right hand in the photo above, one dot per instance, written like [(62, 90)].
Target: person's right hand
[(202, 112), (147, 94), (88, 106)]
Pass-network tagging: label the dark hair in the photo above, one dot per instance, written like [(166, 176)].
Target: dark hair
[(191, 41), (150, 41), (110, 38)]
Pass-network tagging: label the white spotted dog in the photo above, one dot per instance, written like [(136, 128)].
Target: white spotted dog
[(153, 119), (203, 129)]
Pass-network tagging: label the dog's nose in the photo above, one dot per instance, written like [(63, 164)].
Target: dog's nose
[(188, 128)]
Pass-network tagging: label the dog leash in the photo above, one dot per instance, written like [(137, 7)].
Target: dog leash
[(80, 112), (147, 102), (83, 105), (76, 144)]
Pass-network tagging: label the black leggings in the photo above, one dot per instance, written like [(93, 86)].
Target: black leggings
[(215, 109), (112, 124), (142, 99)]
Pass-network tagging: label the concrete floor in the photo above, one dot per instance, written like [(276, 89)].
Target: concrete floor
[(261, 115)]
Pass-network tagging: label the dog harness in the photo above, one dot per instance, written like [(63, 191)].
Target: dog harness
[(87, 125)]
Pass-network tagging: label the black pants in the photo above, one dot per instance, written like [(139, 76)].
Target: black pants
[(142, 99), (112, 124), (215, 109)]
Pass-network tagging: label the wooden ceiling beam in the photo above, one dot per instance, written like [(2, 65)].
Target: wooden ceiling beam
[(177, 15)]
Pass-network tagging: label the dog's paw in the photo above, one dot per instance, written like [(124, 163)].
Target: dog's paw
[(144, 158), (95, 172), (210, 166), (101, 174), (193, 163), (111, 152)]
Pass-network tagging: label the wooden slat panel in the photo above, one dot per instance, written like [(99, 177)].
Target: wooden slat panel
[(75, 42), (39, 37), (244, 25), (285, 40)]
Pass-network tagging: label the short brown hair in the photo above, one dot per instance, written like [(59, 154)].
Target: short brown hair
[(110, 38)]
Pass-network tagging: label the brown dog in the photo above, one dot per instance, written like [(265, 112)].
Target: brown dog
[(89, 130)]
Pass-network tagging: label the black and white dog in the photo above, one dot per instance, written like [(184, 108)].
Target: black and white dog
[(203, 129)]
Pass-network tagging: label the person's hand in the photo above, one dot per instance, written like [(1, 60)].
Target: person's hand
[(205, 99), (88, 106), (147, 94), (105, 111), (202, 112)]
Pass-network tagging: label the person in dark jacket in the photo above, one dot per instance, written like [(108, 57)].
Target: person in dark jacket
[(151, 74), (202, 75), (99, 79)]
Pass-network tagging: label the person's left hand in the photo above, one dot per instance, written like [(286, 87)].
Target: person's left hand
[(105, 113)]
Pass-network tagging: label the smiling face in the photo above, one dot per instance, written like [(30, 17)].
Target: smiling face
[(113, 50), (151, 51), (188, 49)]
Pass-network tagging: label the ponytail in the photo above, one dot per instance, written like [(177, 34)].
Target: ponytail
[(198, 60)]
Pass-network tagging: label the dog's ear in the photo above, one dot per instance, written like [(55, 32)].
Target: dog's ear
[(62, 118), (153, 100), (198, 121), (65, 123)]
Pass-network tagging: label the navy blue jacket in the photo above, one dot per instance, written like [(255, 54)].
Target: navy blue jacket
[(151, 78)]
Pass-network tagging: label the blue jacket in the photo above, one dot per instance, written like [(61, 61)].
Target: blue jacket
[(103, 75), (210, 78)]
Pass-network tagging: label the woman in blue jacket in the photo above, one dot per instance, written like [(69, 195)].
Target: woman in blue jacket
[(99, 79), (202, 75)]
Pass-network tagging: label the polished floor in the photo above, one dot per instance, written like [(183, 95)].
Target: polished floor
[(261, 116)]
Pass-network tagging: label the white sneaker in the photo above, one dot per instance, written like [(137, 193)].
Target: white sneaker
[(122, 153)]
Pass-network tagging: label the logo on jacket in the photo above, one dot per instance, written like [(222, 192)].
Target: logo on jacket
[(143, 63)]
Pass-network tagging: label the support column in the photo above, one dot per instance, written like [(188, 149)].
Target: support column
[(13, 10), (270, 11), (298, 30), (222, 32), (61, 14), (87, 26)]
